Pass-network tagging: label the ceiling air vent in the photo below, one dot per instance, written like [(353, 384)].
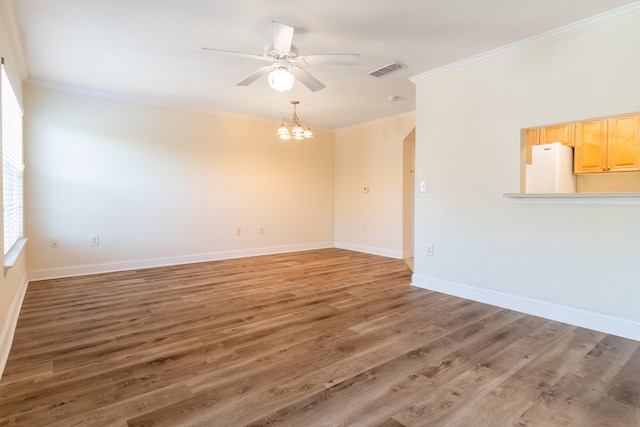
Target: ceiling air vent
[(389, 68)]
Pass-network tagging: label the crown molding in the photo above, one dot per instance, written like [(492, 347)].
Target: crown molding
[(83, 90), (15, 38), (606, 18)]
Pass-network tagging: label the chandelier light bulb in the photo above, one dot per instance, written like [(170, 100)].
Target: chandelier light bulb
[(283, 130), (281, 79), (307, 133)]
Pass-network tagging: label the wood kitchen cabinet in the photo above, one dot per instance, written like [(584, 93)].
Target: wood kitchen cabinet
[(549, 134), (531, 137), (623, 143), (559, 133), (590, 154), (608, 145)]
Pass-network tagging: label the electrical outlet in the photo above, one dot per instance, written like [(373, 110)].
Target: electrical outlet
[(55, 243), (95, 240), (429, 248)]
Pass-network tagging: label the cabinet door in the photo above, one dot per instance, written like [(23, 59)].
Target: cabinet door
[(531, 137), (560, 133), (591, 147), (623, 142)]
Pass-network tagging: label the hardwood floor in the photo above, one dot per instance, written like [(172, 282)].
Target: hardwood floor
[(326, 337)]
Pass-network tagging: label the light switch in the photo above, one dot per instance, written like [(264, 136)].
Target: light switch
[(423, 186)]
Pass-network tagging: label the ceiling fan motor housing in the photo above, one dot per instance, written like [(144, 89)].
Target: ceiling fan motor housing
[(272, 53)]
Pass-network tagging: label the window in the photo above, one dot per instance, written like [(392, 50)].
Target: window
[(12, 167)]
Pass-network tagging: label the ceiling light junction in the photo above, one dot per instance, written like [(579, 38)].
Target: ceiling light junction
[(294, 128)]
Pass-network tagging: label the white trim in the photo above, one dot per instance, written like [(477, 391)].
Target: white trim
[(13, 254), (81, 270), (373, 250), (630, 10), (9, 325), (81, 90), (548, 310)]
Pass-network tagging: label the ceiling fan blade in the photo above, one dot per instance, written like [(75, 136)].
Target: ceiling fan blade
[(255, 76), (239, 54), (282, 37), (307, 79), (339, 59)]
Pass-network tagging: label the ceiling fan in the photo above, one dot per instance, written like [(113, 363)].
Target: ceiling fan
[(285, 61)]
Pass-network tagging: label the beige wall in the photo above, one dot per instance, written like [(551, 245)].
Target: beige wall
[(13, 283), (165, 186), (574, 262), (371, 155)]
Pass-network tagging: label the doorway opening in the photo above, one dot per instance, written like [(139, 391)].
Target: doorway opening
[(408, 195)]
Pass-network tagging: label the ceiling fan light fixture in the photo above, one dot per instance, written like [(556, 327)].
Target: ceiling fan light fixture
[(281, 79)]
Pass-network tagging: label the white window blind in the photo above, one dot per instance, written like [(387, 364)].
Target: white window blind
[(12, 166)]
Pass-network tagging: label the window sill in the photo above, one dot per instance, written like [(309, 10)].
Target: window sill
[(575, 198), (13, 254)]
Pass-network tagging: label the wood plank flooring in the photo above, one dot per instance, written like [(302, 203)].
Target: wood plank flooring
[(315, 338)]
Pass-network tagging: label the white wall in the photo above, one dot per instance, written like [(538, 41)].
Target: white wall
[(165, 186), (576, 263), (371, 155)]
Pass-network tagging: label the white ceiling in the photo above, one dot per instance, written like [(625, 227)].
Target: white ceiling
[(148, 49)]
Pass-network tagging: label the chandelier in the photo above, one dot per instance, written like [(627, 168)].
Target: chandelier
[(294, 128)]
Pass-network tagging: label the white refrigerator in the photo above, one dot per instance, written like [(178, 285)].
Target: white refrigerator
[(551, 169)]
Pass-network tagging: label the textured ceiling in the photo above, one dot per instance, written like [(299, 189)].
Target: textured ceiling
[(149, 49)]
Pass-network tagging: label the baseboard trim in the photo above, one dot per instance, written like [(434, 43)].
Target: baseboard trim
[(81, 270), (9, 326), (389, 253), (561, 313)]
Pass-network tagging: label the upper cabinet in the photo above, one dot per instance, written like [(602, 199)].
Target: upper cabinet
[(605, 145), (608, 145), (546, 135), (623, 143), (559, 133), (531, 137), (590, 154)]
